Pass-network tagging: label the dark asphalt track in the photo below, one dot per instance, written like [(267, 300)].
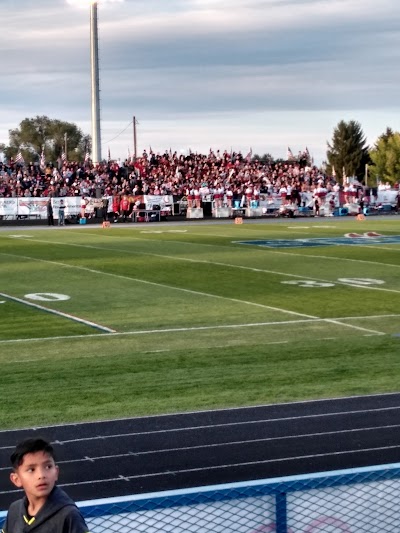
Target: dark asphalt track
[(140, 455)]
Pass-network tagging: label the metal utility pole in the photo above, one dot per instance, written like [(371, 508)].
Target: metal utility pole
[(94, 61), (134, 140)]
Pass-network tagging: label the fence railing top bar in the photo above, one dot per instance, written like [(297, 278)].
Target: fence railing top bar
[(265, 486)]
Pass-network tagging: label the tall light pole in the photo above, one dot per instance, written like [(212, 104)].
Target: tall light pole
[(94, 62)]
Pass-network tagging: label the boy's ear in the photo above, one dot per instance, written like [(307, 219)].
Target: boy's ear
[(15, 479)]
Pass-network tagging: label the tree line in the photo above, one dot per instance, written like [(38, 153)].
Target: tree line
[(38, 135), (347, 153)]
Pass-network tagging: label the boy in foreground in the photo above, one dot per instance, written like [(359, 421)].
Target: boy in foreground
[(45, 508)]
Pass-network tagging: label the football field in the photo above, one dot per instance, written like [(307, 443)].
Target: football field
[(158, 318)]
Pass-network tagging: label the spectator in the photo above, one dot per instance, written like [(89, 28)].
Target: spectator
[(61, 213)]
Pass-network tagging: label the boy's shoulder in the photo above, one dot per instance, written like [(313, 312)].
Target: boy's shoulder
[(17, 507), (15, 513), (59, 509), (62, 505)]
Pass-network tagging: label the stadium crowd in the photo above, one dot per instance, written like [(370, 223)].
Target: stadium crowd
[(221, 174)]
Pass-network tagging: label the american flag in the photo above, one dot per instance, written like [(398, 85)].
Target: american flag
[(290, 155), (249, 155), (19, 159), (63, 157), (42, 160), (87, 157)]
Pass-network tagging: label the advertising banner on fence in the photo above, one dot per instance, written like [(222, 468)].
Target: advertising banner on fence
[(387, 197), (37, 207), (8, 207)]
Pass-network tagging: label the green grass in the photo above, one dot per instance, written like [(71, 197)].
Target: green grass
[(200, 321)]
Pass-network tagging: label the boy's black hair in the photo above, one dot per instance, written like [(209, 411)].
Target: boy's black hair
[(31, 445)]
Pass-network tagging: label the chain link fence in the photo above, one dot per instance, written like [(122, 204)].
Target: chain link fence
[(365, 500)]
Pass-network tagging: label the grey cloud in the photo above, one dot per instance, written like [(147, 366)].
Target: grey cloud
[(172, 66)]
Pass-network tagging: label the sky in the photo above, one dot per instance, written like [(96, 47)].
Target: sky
[(201, 74)]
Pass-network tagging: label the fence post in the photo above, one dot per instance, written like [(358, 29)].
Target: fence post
[(281, 513)]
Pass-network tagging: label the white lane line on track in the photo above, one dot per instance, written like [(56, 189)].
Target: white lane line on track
[(228, 443), (92, 459), (58, 313), (221, 467), (221, 425), (223, 410)]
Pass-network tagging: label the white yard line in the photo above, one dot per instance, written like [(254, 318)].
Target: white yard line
[(166, 330), (211, 263), (229, 265), (371, 331), (259, 249), (58, 313), (335, 258), (336, 321), (377, 247), (163, 285), (189, 291)]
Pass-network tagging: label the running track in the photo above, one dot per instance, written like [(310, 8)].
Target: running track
[(140, 455)]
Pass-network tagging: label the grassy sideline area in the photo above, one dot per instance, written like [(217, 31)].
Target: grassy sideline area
[(163, 318)]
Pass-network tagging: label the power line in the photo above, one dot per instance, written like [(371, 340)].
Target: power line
[(120, 133)]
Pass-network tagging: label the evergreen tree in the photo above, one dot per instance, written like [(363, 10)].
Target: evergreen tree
[(385, 158), (348, 151)]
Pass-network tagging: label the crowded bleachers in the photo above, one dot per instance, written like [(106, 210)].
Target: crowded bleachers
[(224, 176)]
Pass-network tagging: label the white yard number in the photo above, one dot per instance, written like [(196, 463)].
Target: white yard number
[(361, 281), (309, 283), (47, 297), (357, 282)]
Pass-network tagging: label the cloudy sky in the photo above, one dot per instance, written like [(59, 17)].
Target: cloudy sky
[(265, 74)]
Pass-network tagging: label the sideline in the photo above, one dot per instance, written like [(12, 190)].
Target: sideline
[(337, 320), (58, 313), (199, 293), (202, 261)]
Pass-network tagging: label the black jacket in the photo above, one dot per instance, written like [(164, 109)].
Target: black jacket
[(58, 515)]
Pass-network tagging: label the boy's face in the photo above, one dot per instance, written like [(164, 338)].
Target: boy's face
[(37, 475)]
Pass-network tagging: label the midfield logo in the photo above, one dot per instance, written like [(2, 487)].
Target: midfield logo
[(349, 239)]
